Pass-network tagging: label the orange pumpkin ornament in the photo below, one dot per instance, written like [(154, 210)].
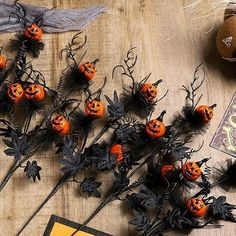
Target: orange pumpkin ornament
[(88, 69), (165, 169), (60, 125), (35, 92), (156, 128), (205, 112), (117, 149), (149, 91), (3, 61), (15, 93), (191, 171), (94, 109), (196, 207), (34, 32)]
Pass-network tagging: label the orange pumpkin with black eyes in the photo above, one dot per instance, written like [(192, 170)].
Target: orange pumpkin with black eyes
[(60, 125), (94, 109), (35, 92), (34, 32), (155, 128), (191, 171), (165, 169), (196, 207), (205, 112), (88, 70), (15, 93), (117, 149), (3, 61), (149, 91)]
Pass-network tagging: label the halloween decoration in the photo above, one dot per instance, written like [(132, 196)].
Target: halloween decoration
[(194, 118), (61, 125), (165, 169), (205, 112), (88, 69), (118, 150), (3, 61), (155, 128), (138, 97), (33, 32), (150, 194), (196, 207), (149, 91), (35, 92), (15, 92), (94, 109), (191, 171)]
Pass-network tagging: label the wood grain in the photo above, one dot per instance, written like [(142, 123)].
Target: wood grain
[(171, 41)]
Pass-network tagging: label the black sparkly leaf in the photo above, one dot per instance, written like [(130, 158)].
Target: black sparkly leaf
[(17, 146), (121, 180), (222, 210), (126, 133), (177, 220), (115, 107), (32, 170), (89, 185), (101, 157), (141, 222), (149, 199), (72, 164)]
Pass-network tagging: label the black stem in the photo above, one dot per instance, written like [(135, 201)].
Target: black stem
[(104, 129), (60, 183), (9, 174), (97, 210)]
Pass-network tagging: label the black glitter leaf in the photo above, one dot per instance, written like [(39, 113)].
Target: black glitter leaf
[(220, 209), (89, 185), (32, 170), (141, 222), (115, 107), (17, 146)]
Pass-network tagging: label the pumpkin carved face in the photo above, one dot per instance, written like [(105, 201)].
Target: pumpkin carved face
[(205, 112), (60, 125), (33, 32), (196, 207), (117, 149), (35, 92), (88, 70), (191, 171), (149, 91), (95, 109), (15, 93), (165, 169), (155, 128), (3, 61)]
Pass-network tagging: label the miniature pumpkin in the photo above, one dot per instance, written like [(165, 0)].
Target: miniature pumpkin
[(95, 109), (88, 70), (117, 149), (165, 169), (155, 128), (33, 32), (191, 171), (196, 207), (60, 125), (15, 92), (35, 92), (149, 91), (3, 61), (205, 112)]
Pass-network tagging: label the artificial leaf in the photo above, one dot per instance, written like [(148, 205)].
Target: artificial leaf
[(32, 170), (90, 186)]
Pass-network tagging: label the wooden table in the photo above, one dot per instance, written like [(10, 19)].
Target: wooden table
[(171, 41)]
